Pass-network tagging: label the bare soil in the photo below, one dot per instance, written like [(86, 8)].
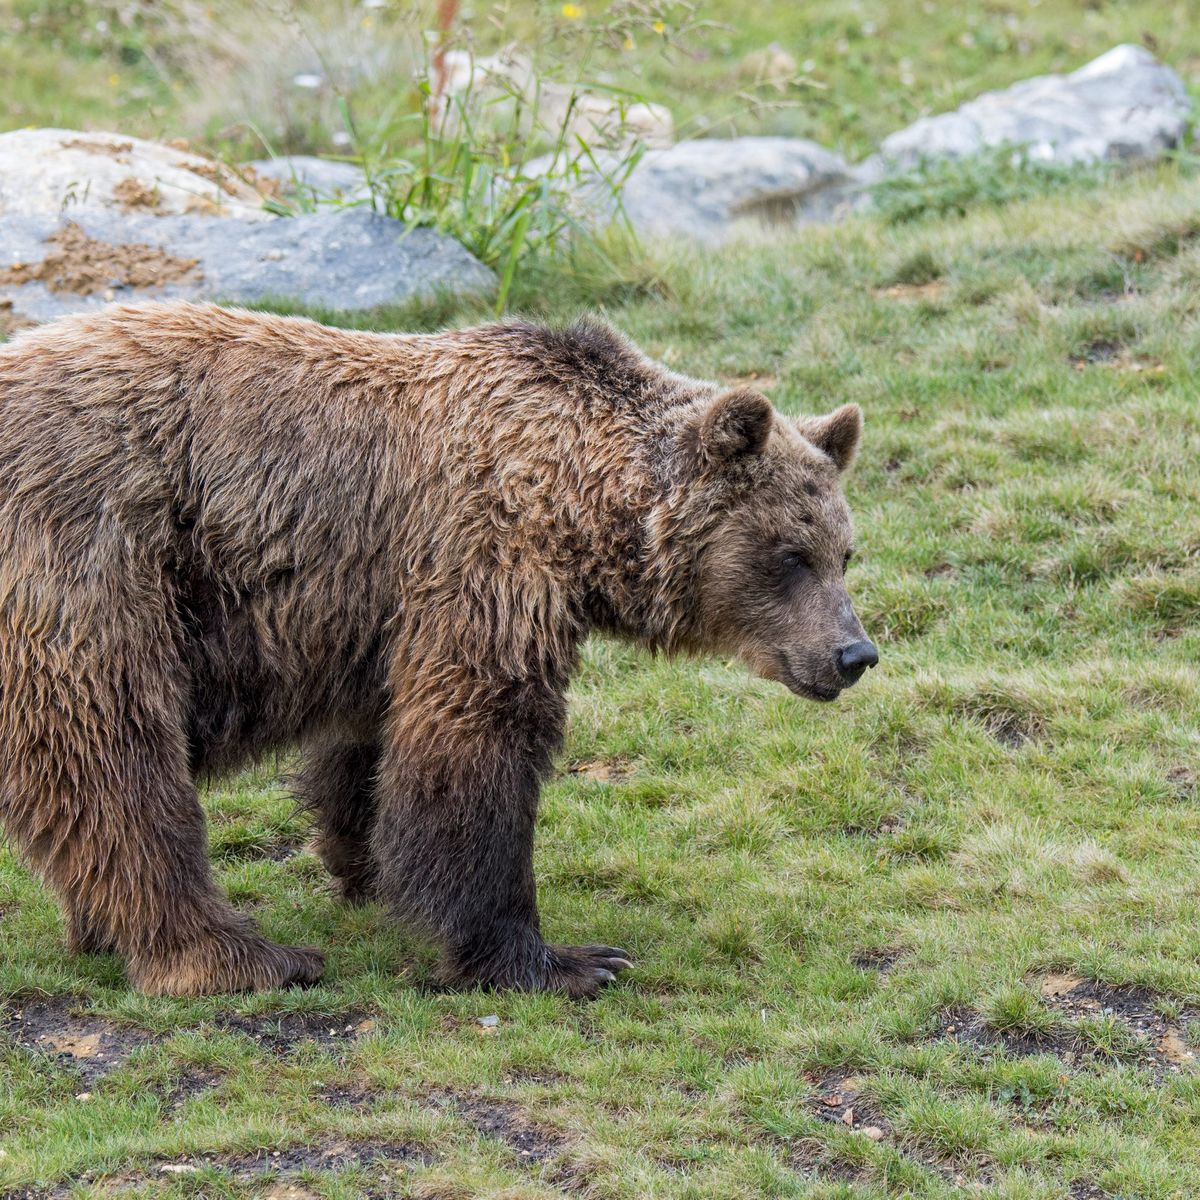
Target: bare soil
[(282, 1033), (1162, 1050), (132, 194), (84, 266), (53, 1027), (504, 1121), (116, 150), (11, 321)]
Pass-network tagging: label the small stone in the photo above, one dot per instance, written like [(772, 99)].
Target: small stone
[(873, 1132), (178, 1168), (489, 1022), (83, 1095)]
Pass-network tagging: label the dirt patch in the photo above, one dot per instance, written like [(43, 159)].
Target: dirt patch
[(132, 194), (272, 849), (214, 173), (839, 1098), (1010, 724), (759, 380), (504, 1121), (1081, 1189), (84, 266), (190, 1083), (283, 1033), (1182, 779), (932, 289), (93, 1045), (328, 1156), (117, 150), (1162, 1045), (879, 958), (11, 321), (351, 1096), (966, 1026), (603, 770), (1100, 350), (1146, 1038)]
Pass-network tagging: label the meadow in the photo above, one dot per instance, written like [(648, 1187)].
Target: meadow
[(939, 939)]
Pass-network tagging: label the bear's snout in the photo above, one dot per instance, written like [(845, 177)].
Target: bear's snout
[(854, 659)]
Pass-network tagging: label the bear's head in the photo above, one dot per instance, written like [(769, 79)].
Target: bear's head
[(771, 537)]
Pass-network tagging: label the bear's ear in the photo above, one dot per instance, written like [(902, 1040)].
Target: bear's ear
[(734, 424), (835, 434)]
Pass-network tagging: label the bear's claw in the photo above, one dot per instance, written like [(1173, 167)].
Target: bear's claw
[(584, 970)]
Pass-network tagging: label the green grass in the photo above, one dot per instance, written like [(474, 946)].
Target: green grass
[(815, 895)]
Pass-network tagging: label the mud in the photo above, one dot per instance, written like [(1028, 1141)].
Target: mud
[(83, 266), (11, 321), (56, 1029), (132, 194), (1161, 1045), (283, 1033), (116, 150), (839, 1099), (504, 1121), (883, 959)]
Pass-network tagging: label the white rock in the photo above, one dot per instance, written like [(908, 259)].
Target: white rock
[(1123, 105), (44, 172), (490, 87)]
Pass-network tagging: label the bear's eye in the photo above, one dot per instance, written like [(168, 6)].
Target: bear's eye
[(846, 560), (791, 561)]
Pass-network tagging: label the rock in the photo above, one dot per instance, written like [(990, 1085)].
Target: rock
[(501, 88), (343, 259), (44, 172), (709, 188), (306, 177), (772, 65), (1123, 105)]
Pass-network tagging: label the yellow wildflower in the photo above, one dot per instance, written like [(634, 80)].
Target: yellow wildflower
[(660, 27), (572, 12)]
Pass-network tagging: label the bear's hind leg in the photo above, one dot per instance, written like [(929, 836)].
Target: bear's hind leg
[(336, 783), (95, 792)]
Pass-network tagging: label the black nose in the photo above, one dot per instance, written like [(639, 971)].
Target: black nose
[(854, 659)]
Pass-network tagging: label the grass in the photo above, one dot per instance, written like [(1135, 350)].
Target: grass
[(857, 901)]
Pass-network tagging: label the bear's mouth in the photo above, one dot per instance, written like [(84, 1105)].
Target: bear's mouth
[(810, 691), (807, 689)]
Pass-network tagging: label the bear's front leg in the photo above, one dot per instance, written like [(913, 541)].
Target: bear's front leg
[(453, 839)]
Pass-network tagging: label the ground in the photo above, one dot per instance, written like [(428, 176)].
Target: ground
[(939, 939)]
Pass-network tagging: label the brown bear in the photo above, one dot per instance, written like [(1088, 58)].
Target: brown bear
[(224, 531)]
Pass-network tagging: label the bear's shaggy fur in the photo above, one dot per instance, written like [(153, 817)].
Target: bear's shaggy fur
[(222, 532)]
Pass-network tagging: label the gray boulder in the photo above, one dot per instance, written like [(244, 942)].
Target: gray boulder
[(343, 259), (1123, 105), (307, 177), (709, 189)]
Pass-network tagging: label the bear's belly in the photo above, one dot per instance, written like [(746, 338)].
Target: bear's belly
[(264, 673)]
